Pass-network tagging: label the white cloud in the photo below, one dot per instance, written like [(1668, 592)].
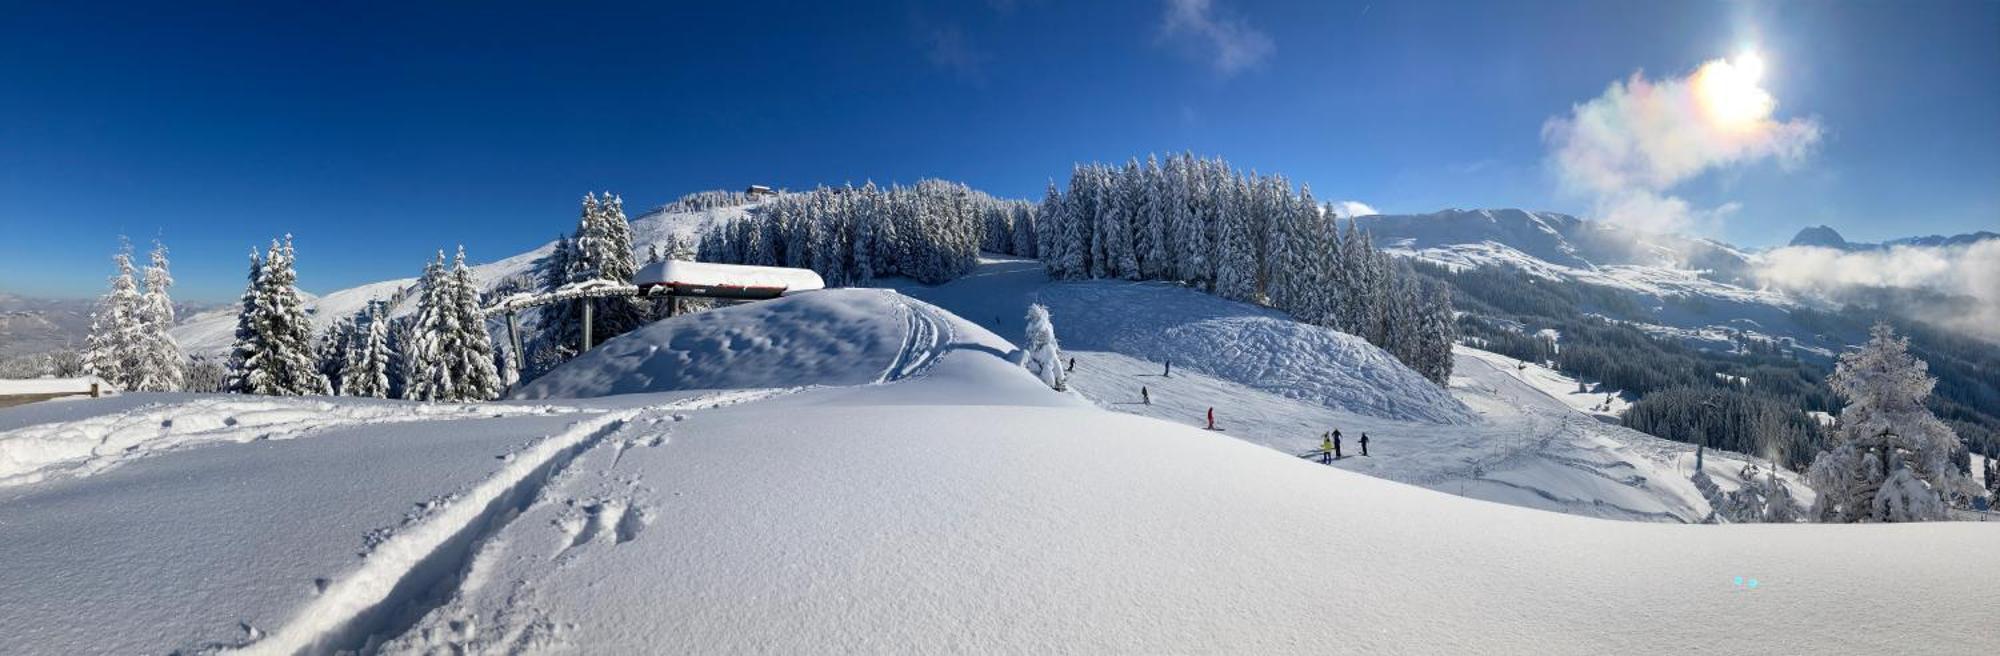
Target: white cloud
[(1348, 209), (1231, 42), (1627, 149), (1966, 271)]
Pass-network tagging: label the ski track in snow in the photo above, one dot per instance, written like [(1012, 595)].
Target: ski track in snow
[(925, 343), (418, 569), (94, 444)]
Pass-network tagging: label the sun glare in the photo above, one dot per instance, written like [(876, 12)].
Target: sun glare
[(1729, 91)]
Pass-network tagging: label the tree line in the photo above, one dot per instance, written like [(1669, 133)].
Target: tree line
[(1245, 237)]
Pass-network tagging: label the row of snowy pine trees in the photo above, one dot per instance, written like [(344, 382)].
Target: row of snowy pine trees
[(441, 353), (129, 346), (932, 232), (1244, 237)]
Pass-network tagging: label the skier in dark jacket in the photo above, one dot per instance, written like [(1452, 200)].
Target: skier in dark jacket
[(1169, 373), (1364, 444), (1336, 444), (1072, 366), (1144, 396)]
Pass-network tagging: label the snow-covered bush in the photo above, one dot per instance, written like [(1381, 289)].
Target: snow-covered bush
[(1039, 351)]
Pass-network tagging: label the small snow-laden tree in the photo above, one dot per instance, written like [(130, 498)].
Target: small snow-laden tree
[(1040, 354), (287, 331), (472, 355), (427, 374), (249, 344), (331, 350), (1905, 498), (366, 372), (114, 350), (162, 367), (1890, 457), (206, 375)]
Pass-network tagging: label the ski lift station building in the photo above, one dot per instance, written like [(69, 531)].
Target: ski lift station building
[(725, 281)]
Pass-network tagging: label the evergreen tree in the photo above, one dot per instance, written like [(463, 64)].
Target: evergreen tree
[(427, 372), (162, 365), (1156, 260), (1890, 457), (248, 345), (1040, 353), (1236, 261), (278, 358), (472, 354), (366, 372), (117, 335)]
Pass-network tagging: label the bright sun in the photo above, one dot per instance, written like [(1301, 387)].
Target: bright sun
[(1729, 93)]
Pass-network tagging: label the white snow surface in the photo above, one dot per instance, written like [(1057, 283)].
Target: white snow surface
[(931, 497), (1199, 332), (1510, 435)]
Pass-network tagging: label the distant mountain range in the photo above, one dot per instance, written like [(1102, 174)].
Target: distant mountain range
[(1827, 237)]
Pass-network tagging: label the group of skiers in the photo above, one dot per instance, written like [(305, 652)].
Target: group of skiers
[(1329, 442), (1329, 446)]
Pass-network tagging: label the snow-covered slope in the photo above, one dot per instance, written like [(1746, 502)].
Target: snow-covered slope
[(839, 337), (956, 509), (212, 332), (1502, 433)]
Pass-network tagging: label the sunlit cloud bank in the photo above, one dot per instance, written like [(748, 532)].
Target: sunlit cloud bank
[(1627, 149), (1969, 272)]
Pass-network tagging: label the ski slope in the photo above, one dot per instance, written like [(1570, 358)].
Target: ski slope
[(1513, 435), (928, 496)]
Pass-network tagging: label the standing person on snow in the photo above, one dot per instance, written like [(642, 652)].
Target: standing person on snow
[(1326, 448), (1144, 396), (1211, 418), (1169, 373), (1364, 444), (1336, 444), (1072, 366)]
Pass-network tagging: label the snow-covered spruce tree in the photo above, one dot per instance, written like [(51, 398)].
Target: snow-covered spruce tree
[(117, 336), (1156, 260), (1235, 265), (248, 344), (1027, 231), (1889, 457), (366, 372), (278, 357), (472, 357), (162, 365), (427, 375), (331, 350), (1039, 352)]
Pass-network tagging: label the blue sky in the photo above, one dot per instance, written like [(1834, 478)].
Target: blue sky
[(379, 133)]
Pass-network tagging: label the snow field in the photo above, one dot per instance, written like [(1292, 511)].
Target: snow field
[(90, 444)]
